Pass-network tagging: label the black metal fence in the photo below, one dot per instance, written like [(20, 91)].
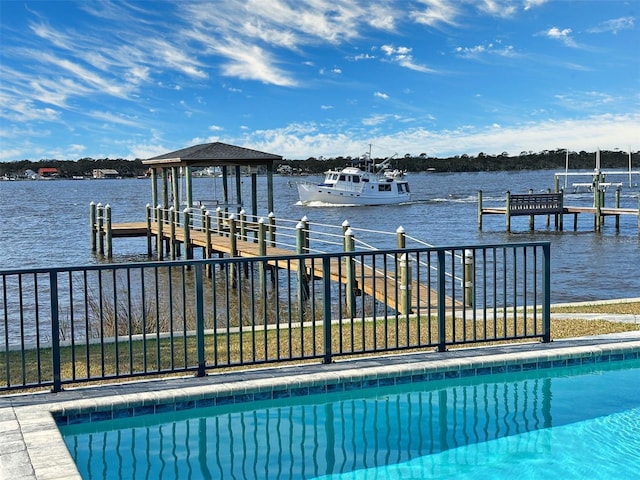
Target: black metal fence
[(69, 325)]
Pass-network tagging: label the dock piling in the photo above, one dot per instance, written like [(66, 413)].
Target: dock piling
[(92, 223)]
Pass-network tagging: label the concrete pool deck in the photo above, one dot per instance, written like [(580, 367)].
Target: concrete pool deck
[(31, 446)]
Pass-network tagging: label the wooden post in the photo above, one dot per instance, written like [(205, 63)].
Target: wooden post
[(100, 216), (507, 213), (401, 240), (149, 243), (597, 218), (159, 241), (203, 216), (617, 205), (109, 235), (219, 226), (172, 233), (405, 284), (479, 209), (242, 221), (272, 229), (189, 188), (531, 217), (560, 217), (548, 215), (92, 224), (350, 293), (468, 277), (305, 223), (186, 225), (233, 242), (207, 248), (262, 251), (238, 188), (154, 186), (303, 284)]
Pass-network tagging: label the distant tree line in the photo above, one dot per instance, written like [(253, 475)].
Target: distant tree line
[(545, 160)]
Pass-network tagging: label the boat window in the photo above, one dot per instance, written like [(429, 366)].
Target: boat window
[(342, 178), (356, 179), (384, 187)]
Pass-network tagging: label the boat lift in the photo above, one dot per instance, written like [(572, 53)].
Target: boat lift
[(598, 177)]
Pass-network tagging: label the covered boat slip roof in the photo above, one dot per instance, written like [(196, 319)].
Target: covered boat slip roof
[(212, 154)]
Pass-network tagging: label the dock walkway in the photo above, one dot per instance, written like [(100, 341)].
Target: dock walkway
[(387, 289)]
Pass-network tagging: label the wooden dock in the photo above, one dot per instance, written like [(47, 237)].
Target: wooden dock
[(386, 289), (552, 204)]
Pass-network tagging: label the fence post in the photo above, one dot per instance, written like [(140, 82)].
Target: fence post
[(442, 334), (55, 332), (546, 306), (203, 214), (326, 293), (200, 319), (92, 223), (468, 278)]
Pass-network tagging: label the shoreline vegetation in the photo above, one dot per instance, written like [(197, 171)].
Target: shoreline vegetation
[(482, 162)]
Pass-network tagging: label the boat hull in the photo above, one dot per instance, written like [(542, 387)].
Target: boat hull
[(310, 193)]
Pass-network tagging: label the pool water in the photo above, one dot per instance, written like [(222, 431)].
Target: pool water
[(578, 422)]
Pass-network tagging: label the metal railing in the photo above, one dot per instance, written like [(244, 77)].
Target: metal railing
[(70, 325)]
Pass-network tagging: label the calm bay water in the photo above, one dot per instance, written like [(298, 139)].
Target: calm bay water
[(46, 223)]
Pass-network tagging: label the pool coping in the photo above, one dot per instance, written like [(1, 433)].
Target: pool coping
[(33, 447)]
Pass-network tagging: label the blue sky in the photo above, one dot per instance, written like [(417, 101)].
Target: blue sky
[(303, 78)]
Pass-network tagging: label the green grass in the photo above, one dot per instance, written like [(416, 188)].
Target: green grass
[(86, 363)]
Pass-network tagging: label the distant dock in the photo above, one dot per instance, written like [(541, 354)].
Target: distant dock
[(552, 205)]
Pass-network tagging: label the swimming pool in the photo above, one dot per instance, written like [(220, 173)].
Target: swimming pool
[(570, 422)]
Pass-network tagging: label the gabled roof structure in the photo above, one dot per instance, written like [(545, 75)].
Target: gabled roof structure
[(213, 154)]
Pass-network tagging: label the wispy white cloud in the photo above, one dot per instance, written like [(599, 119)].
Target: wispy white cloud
[(403, 57), (250, 62), (496, 8), (490, 48), (436, 12), (529, 4), (381, 95), (614, 25)]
